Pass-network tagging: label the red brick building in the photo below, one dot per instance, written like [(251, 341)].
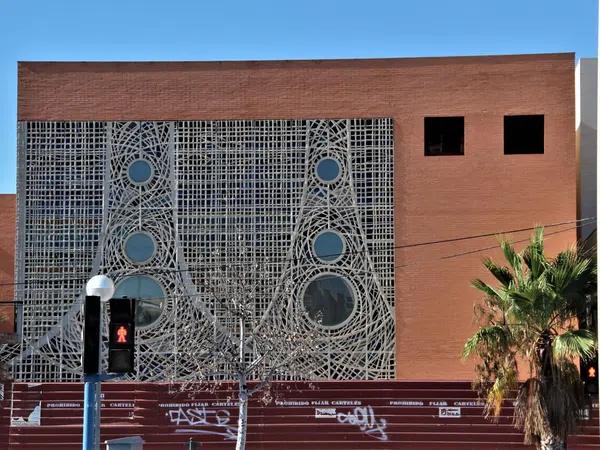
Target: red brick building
[(438, 197), (427, 151)]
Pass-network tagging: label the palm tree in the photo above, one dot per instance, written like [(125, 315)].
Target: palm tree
[(529, 326)]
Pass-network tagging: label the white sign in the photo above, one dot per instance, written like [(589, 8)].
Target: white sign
[(32, 420), (449, 412), (325, 413)]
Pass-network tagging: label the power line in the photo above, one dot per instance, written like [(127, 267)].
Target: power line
[(324, 276), (588, 221), (581, 222), (514, 242), (442, 241), (455, 255)]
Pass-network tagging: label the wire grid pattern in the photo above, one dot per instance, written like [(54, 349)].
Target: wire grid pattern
[(256, 181), (212, 182), (239, 180), (357, 206), (147, 207), (61, 177)]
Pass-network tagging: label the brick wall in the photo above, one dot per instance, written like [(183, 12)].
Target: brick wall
[(7, 260), (436, 198)]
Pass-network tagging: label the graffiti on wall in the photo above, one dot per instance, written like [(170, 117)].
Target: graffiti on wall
[(203, 421), (364, 418)]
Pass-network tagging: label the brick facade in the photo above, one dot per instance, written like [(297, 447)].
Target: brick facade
[(7, 260), (436, 198)]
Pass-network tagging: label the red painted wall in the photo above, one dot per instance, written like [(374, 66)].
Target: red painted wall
[(326, 416), (436, 198)]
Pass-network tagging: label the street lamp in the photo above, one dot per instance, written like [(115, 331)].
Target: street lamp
[(103, 287), (100, 286)]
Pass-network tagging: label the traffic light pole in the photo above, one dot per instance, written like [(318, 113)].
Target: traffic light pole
[(92, 392), (92, 366), (99, 289), (91, 412), (92, 398), (121, 350), (121, 358), (91, 409)]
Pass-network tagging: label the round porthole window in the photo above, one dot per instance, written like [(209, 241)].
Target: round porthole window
[(329, 300), (328, 170), (140, 171), (139, 247), (149, 297), (329, 246)]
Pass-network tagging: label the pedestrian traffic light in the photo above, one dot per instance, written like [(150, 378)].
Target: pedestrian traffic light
[(589, 375), (121, 340), (91, 335)]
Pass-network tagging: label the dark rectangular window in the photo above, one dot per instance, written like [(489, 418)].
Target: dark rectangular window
[(444, 136), (523, 134)]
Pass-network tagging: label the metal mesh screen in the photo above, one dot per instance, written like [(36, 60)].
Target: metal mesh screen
[(211, 183)]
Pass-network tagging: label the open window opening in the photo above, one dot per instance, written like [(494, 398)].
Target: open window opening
[(523, 134), (444, 136)]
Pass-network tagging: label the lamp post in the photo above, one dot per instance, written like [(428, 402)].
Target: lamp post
[(103, 287)]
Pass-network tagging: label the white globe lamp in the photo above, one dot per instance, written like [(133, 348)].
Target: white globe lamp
[(100, 286)]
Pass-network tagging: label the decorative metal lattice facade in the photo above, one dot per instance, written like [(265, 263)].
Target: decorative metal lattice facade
[(157, 204)]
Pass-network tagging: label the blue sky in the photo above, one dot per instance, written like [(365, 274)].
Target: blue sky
[(259, 29)]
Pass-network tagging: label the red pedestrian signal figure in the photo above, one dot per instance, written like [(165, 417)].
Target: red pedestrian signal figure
[(121, 344), (592, 372), (122, 335)]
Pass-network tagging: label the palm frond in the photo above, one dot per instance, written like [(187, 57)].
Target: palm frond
[(538, 238), (530, 411), (522, 304), (568, 269), (503, 384), (573, 279), (533, 255), (488, 290), (502, 274), (513, 258), (564, 399), (490, 338), (574, 344)]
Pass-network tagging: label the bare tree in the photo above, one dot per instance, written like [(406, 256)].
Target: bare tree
[(239, 344), (8, 344)]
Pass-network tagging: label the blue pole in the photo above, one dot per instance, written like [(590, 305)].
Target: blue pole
[(89, 412), (98, 411), (92, 403)]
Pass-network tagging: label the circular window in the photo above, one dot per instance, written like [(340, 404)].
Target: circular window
[(140, 171), (329, 246), (149, 295), (139, 247), (329, 300), (328, 170)]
